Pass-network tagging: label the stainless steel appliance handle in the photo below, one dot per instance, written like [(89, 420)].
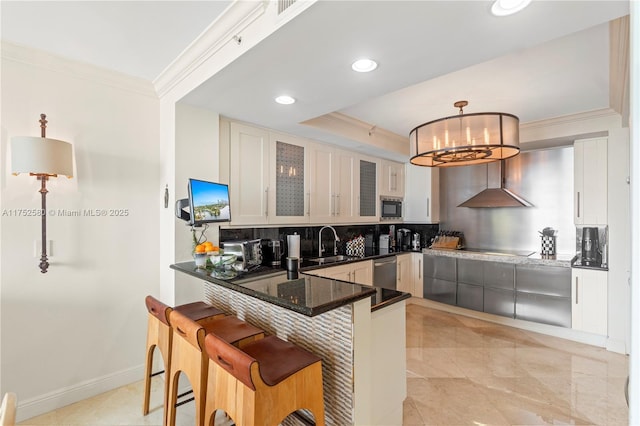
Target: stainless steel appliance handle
[(384, 262)]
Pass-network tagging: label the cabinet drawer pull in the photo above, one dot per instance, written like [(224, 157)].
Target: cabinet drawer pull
[(576, 290), (578, 206), (266, 201)]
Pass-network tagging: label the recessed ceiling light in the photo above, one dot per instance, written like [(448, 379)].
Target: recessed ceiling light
[(508, 7), (364, 65), (285, 100)]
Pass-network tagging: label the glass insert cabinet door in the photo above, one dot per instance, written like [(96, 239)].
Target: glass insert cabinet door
[(290, 185), (367, 188)]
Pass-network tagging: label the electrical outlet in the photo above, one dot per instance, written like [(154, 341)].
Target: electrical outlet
[(37, 248)]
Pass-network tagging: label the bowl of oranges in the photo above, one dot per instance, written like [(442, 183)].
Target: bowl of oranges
[(202, 252), (207, 247), (209, 251)]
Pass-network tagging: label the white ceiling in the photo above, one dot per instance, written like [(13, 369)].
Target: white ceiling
[(139, 38), (551, 59)]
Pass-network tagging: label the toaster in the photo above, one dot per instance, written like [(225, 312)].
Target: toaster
[(248, 252)]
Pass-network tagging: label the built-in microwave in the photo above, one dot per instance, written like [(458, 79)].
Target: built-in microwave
[(390, 208)]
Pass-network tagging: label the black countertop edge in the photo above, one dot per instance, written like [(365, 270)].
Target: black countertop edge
[(593, 268), (308, 265), (190, 269), (390, 301)]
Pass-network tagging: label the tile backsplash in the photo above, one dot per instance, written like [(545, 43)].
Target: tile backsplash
[(309, 235)]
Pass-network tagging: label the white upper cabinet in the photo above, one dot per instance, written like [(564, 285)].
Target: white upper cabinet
[(276, 178), (267, 179), (333, 185), (391, 181), (249, 175), (421, 198), (322, 173), (345, 187), (590, 181)]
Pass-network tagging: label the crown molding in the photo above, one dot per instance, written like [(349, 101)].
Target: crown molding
[(239, 28), (237, 17), (81, 70), (360, 131), (567, 126), (619, 67)]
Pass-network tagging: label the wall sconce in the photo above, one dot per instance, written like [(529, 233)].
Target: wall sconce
[(44, 158)]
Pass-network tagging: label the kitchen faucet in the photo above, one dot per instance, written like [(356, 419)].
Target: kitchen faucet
[(321, 246)]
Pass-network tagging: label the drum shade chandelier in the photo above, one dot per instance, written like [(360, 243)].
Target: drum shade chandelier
[(43, 158), (465, 139)]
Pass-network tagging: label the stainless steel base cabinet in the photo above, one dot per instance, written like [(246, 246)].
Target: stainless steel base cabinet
[(545, 309), (440, 290), (439, 279), (499, 302), (543, 294), (470, 296)]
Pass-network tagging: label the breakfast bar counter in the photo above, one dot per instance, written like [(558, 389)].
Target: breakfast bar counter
[(357, 330)]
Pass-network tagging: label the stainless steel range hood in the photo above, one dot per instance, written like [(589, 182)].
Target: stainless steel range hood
[(498, 195)]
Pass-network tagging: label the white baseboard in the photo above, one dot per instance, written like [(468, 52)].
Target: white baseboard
[(617, 345), (68, 395)]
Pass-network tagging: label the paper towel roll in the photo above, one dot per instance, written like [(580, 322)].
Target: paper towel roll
[(293, 242)]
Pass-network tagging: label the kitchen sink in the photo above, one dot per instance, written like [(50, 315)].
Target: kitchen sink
[(331, 259)]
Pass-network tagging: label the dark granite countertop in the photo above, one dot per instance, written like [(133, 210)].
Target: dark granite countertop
[(308, 294)]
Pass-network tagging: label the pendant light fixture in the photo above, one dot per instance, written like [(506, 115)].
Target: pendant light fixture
[(465, 139)]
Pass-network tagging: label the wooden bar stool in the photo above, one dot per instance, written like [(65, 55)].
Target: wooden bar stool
[(8, 409), (264, 382), (188, 355), (160, 335)]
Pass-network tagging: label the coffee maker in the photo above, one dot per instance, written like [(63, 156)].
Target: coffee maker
[(272, 252), (591, 254), (403, 240)]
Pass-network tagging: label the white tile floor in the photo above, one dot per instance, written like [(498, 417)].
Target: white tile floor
[(461, 371)]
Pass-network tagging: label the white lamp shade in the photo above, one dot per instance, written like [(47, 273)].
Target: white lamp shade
[(30, 154)]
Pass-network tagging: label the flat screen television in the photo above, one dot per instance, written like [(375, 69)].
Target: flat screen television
[(208, 202)]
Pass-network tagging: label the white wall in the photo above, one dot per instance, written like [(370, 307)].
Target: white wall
[(634, 362), (196, 156), (80, 328)]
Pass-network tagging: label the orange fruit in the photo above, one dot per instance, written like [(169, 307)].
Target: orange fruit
[(200, 248)]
